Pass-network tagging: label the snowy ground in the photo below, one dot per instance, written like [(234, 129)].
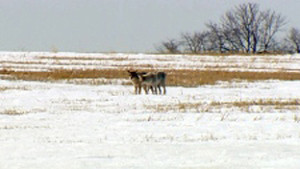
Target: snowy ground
[(64, 124), (44, 61)]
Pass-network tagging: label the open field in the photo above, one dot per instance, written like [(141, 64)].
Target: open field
[(78, 111), (182, 70)]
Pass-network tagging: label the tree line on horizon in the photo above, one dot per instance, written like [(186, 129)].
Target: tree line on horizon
[(243, 29)]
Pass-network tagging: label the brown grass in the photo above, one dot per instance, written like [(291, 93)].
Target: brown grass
[(213, 53), (84, 58), (65, 74), (13, 112), (296, 118), (268, 102), (275, 104), (3, 88), (179, 77)]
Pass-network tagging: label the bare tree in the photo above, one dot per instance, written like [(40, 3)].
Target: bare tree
[(293, 39), (245, 28), (251, 30), (191, 42), (195, 43), (271, 24), (169, 46), (242, 25), (216, 38)]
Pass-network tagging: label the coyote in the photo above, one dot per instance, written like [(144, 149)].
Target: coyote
[(154, 81), (136, 80), (148, 81), (161, 81)]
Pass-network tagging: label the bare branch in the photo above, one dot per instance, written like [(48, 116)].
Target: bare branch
[(170, 46), (293, 39), (196, 42), (272, 23)]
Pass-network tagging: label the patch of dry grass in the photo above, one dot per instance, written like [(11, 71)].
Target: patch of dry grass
[(60, 74), (13, 112), (296, 118), (275, 104), (98, 58), (267, 102), (175, 77), (3, 88), (99, 81)]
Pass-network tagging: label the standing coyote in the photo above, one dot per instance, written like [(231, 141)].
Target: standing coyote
[(151, 80), (161, 81), (136, 80)]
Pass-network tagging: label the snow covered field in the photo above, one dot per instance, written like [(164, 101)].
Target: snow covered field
[(44, 61), (228, 125)]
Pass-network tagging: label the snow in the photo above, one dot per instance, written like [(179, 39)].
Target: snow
[(44, 61), (67, 125), (75, 125)]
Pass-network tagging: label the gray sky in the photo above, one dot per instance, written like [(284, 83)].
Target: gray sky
[(113, 25)]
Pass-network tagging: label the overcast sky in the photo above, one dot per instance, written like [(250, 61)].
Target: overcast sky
[(113, 25)]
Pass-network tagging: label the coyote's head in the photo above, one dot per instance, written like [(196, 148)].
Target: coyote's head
[(133, 74)]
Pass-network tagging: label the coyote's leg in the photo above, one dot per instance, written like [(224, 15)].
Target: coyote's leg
[(151, 88), (158, 86), (155, 89), (145, 89), (163, 84), (140, 89), (165, 91), (135, 89)]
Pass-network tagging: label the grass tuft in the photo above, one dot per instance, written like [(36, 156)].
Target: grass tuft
[(13, 112), (215, 106)]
